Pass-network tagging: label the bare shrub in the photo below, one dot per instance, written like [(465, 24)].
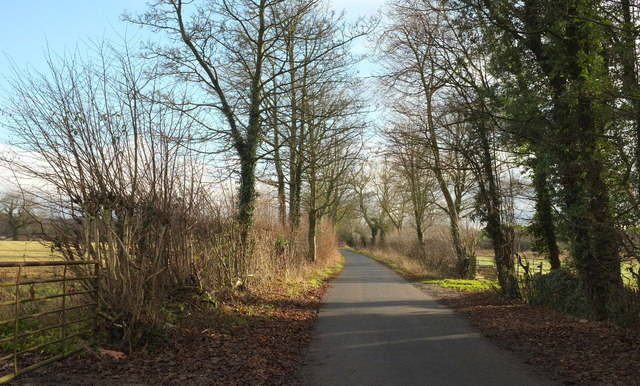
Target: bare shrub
[(435, 256), (403, 249), (439, 253), (277, 252), (220, 264), (327, 243), (124, 186), (121, 188)]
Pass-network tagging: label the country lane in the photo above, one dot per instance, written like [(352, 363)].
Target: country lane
[(375, 328)]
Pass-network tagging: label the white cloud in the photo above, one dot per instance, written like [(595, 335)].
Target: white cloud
[(11, 179)]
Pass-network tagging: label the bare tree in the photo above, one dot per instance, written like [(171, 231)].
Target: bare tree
[(418, 180), (414, 50), (16, 213), (333, 149), (223, 47), (363, 184), (316, 54), (390, 193)]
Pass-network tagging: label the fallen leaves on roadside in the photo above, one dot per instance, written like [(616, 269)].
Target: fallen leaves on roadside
[(573, 351), (259, 340), (112, 353)]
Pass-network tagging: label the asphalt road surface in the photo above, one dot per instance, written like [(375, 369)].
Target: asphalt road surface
[(375, 328)]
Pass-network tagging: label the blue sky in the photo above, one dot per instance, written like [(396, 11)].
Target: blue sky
[(30, 26)]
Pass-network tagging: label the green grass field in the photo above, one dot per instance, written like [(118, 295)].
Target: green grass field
[(465, 285), (486, 259), (34, 250), (627, 277)]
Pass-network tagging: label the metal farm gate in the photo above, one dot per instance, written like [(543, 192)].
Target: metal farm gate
[(46, 309)]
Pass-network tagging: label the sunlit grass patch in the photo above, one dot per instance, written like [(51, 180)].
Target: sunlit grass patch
[(466, 285), (26, 250), (321, 275), (409, 268), (485, 260), (537, 265), (628, 269)]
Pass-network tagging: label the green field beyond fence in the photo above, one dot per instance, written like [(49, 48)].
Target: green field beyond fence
[(46, 306), (486, 267)]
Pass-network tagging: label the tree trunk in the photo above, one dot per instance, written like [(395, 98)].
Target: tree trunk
[(313, 175), (462, 261), (282, 203), (545, 227), (462, 267), (247, 193), (502, 235), (278, 164), (295, 167), (374, 236), (594, 240), (247, 149), (630, 78), (295, 188), (311, 236), (454, 226), (420, 233)]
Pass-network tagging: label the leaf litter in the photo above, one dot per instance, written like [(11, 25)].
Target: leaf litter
[(568, 350), (256, 339), (260, 339)]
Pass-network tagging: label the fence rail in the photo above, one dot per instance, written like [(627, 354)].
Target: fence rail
[(51, 303), (486, 268)]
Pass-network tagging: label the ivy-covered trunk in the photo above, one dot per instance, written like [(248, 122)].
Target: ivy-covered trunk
[(247, 149), (631, 89), (581, 155), (247, 192), (569, 52)]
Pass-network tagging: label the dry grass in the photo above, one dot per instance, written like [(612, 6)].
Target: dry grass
[(400, 262), (26, 250), (434, 259), (280, 254), (277, 257)]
